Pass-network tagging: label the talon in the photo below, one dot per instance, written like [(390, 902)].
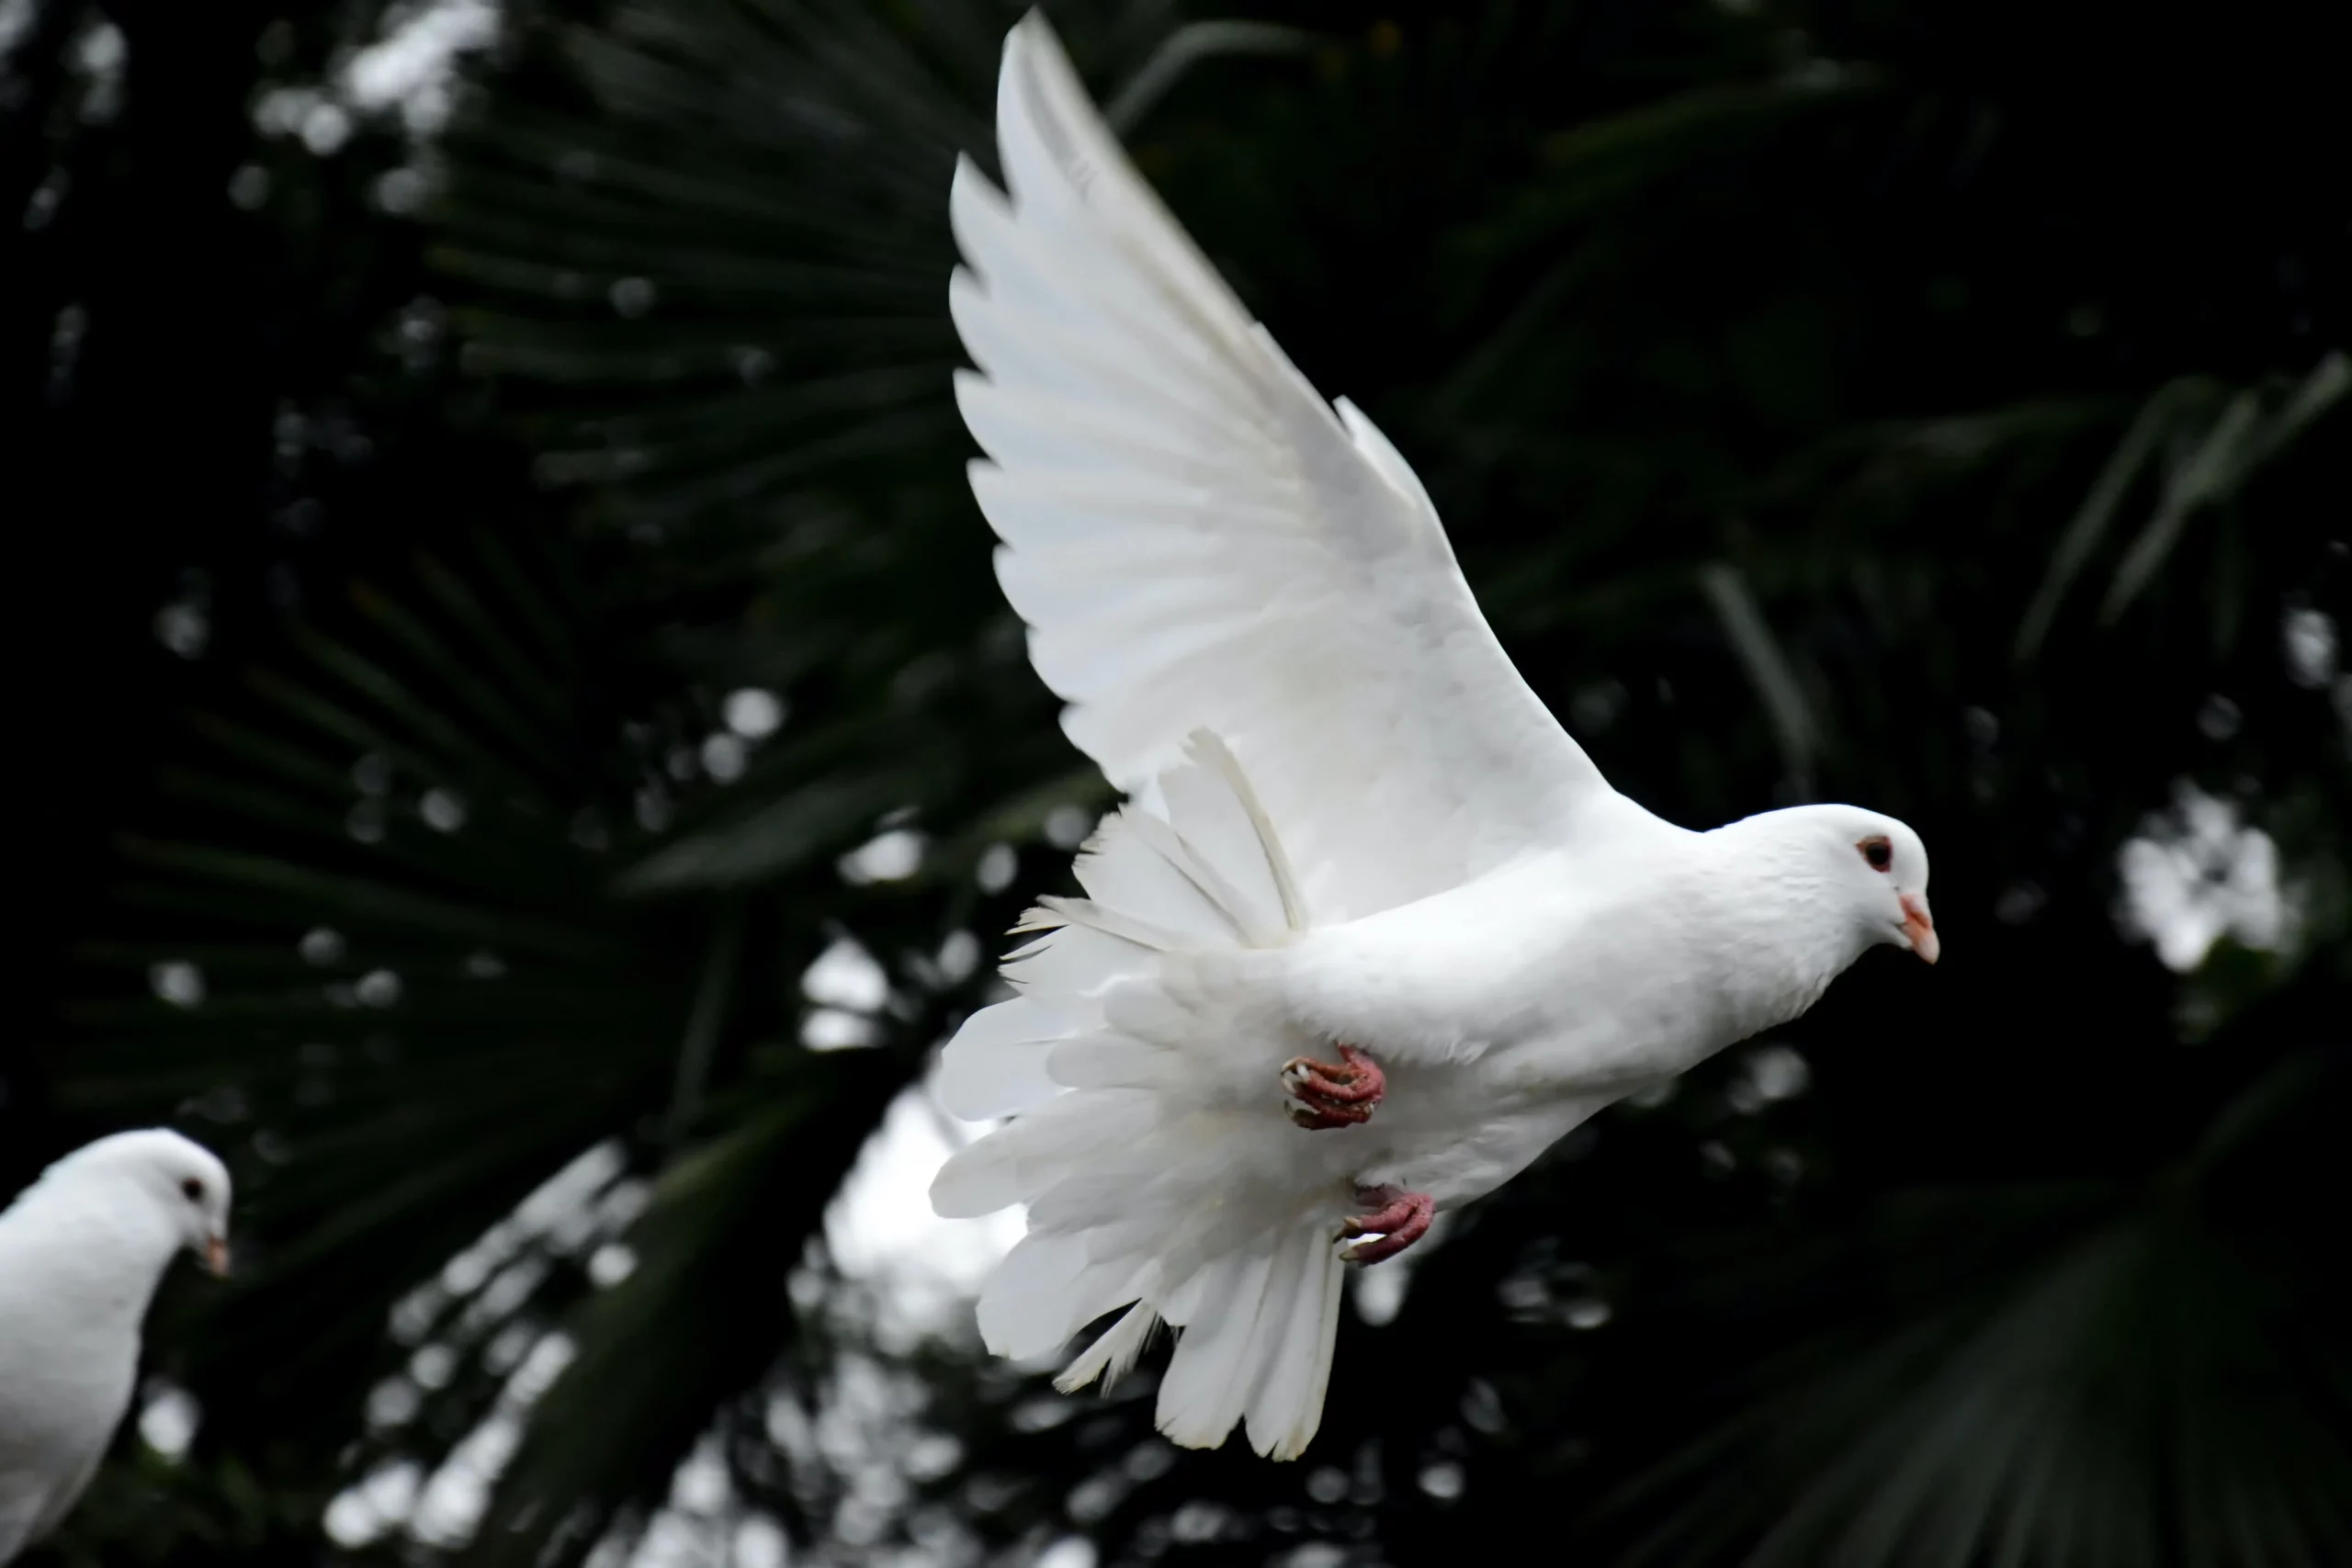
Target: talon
[(1400, 1219), (1328, 1094)]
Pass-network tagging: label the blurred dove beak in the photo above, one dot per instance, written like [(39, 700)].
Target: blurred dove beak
[(216, 1255), (1920, 927)]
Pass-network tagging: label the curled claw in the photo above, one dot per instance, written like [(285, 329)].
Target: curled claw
[(1398, 1219), (1333, 1094)]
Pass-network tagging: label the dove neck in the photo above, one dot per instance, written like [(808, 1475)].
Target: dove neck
[(98, 1242), (1786, 922)]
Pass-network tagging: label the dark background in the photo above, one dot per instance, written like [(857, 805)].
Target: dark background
[(1936, 406)]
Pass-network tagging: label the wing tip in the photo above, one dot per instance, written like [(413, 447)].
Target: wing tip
[(1037, 83), (968, 185), (1033, 39)]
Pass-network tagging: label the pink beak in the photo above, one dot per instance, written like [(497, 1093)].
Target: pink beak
[(1920, 927), (216, 1255)]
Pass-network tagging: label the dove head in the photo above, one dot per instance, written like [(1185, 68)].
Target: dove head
[(1871, 869), (178, 1180)]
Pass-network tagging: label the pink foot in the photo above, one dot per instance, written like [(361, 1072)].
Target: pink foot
[(1323, 1094), (1399, 1218)]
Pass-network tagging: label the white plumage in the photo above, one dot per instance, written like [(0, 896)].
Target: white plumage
[(1350, 821), (81, 1253)]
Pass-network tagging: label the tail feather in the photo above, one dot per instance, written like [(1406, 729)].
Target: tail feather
[(1297, 1368), (1207, 1381), (1130, 928), (1022, 1300), (1110, 1061), (998, 1064), (1011, 1164), (1260, 1353), (1142, 1140), (1107, 1194), (1113, 1355), (1074, 959)]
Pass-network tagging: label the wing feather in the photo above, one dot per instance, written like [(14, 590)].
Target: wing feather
[(1198, 540)]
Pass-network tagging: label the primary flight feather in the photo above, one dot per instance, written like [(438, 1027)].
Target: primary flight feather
[(1372, 931)]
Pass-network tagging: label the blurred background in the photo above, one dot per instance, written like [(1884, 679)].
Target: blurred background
[(526, 758)]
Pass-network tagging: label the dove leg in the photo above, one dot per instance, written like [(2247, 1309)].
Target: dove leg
[(1398, 1219), (1328, 1094)]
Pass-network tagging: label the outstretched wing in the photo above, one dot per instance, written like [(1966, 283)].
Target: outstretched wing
[(1198, 540)]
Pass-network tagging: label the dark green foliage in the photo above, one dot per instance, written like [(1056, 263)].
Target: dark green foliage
[(1940, 406)]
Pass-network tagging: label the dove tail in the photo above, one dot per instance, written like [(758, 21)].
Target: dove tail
[(1145, 1137)]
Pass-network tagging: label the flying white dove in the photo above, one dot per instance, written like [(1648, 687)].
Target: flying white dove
[(81, 1252), (1372, 931)]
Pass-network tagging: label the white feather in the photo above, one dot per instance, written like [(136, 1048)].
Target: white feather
[(1288, 1405), (996, 1062), (1074, 959), (1021, 1307), (1207, 1384), (1006, 1166), (81, 1253), (1120, 871), (1125, 394), (1349, 819), (1110, 1061), (1113, 1355)]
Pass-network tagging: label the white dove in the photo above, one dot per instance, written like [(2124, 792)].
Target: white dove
[(81, 1253), (1372, 931)]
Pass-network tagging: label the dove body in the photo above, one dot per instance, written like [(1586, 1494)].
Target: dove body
[(1371, 931), (81, 1253), (1508, 1010)]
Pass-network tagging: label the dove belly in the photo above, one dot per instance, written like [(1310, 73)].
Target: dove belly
[(1457, 1130), (1504, 1019)]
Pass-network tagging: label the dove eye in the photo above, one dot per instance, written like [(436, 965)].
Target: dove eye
[(194, 1189), (1879, 852)]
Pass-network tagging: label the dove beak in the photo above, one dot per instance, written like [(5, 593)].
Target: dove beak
[(216, 1255), (1920, 927)]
